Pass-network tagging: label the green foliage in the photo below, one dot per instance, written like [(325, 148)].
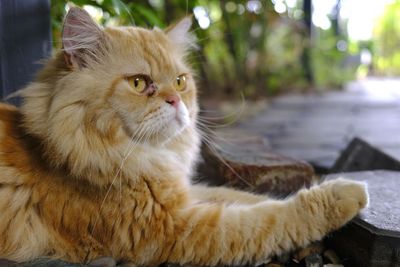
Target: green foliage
[(331, 71), (387, 41), (113, 12), (255, 52), (284, 47)]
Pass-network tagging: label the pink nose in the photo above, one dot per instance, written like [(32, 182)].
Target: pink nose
[(173, 100)]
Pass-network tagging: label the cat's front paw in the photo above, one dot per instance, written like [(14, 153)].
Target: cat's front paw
[(349, 196)]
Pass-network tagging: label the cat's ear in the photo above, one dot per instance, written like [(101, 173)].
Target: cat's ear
[(180, 35), (81, 37)]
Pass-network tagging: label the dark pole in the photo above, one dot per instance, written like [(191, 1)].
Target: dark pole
[(25, 39), (306, 57), (335, 18)]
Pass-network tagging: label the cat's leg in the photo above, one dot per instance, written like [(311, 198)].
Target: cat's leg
[(225, 195), (211, 234)]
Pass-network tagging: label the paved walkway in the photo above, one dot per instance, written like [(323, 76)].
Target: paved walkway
[(317, 127)]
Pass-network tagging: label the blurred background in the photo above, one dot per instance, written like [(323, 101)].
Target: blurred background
[(321, 79), (267, 47)]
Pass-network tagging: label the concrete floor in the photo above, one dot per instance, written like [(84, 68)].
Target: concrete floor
[(316, 127)]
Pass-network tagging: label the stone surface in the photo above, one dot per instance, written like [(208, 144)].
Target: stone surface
[(383, 212), (6, 263), (311, 249), (45, 263), (314, 260), (104, 262), (331, 256), (361, 156), (101, 262), (245, 161), (317, 127), (373, 238), (273, 264), (312, 255)]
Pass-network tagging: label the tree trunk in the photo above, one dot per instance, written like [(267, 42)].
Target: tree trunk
[(306, 57)]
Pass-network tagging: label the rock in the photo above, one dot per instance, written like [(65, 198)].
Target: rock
[(332, 265), (284, 257), (49, 263), (314, 260), (361, 156), (7, 263), (331, 256), (178, 265), (373, 238), (127, 264), (315, 248), (274, 264), (103, 262), (245, 161)]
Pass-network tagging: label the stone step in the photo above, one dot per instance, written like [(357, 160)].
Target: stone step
[(373, 238), (316, 127), (245, 161), (361, 156)]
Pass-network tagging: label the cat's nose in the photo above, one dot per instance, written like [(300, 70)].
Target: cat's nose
[(173, 100)]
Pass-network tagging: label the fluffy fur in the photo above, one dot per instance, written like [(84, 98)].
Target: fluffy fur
[(90, 168)]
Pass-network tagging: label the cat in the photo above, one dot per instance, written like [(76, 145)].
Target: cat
[(98, 159)]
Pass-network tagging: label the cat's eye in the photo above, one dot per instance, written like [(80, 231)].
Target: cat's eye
[(180, 82), (137, 83)]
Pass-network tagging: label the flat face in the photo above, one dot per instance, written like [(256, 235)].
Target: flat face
[(152, 88), (140, 77)]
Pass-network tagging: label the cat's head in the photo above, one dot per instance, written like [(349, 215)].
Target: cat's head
[(111, 84), (141, 74)]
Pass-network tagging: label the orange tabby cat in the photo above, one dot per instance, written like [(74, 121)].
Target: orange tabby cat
[(98, 160)]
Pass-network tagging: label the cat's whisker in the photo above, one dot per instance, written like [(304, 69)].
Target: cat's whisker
[(136, 138), (141, 132), (126, 154), (207, 131), (217, 154), (120, 190), (209, 111), (213, 137), (128, 150), (216, 149), (152, 131), (217, 118), (234, 115), (207, 121), (209, 141), (214, 124)]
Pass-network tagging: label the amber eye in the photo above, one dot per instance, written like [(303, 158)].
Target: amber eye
[(137, 83), (180, 83)]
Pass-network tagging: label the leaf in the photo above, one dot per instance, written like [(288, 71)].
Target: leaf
[(123, 10), (149, 15)]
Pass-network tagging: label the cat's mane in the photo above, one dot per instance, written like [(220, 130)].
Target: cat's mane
[(61, 150)]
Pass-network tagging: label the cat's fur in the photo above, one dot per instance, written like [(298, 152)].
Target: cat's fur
[(88, 168)]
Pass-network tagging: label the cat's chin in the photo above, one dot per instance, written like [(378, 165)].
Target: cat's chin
[(174, 126), (171, 130), (167, 124), (165, 133), (182, 118)]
